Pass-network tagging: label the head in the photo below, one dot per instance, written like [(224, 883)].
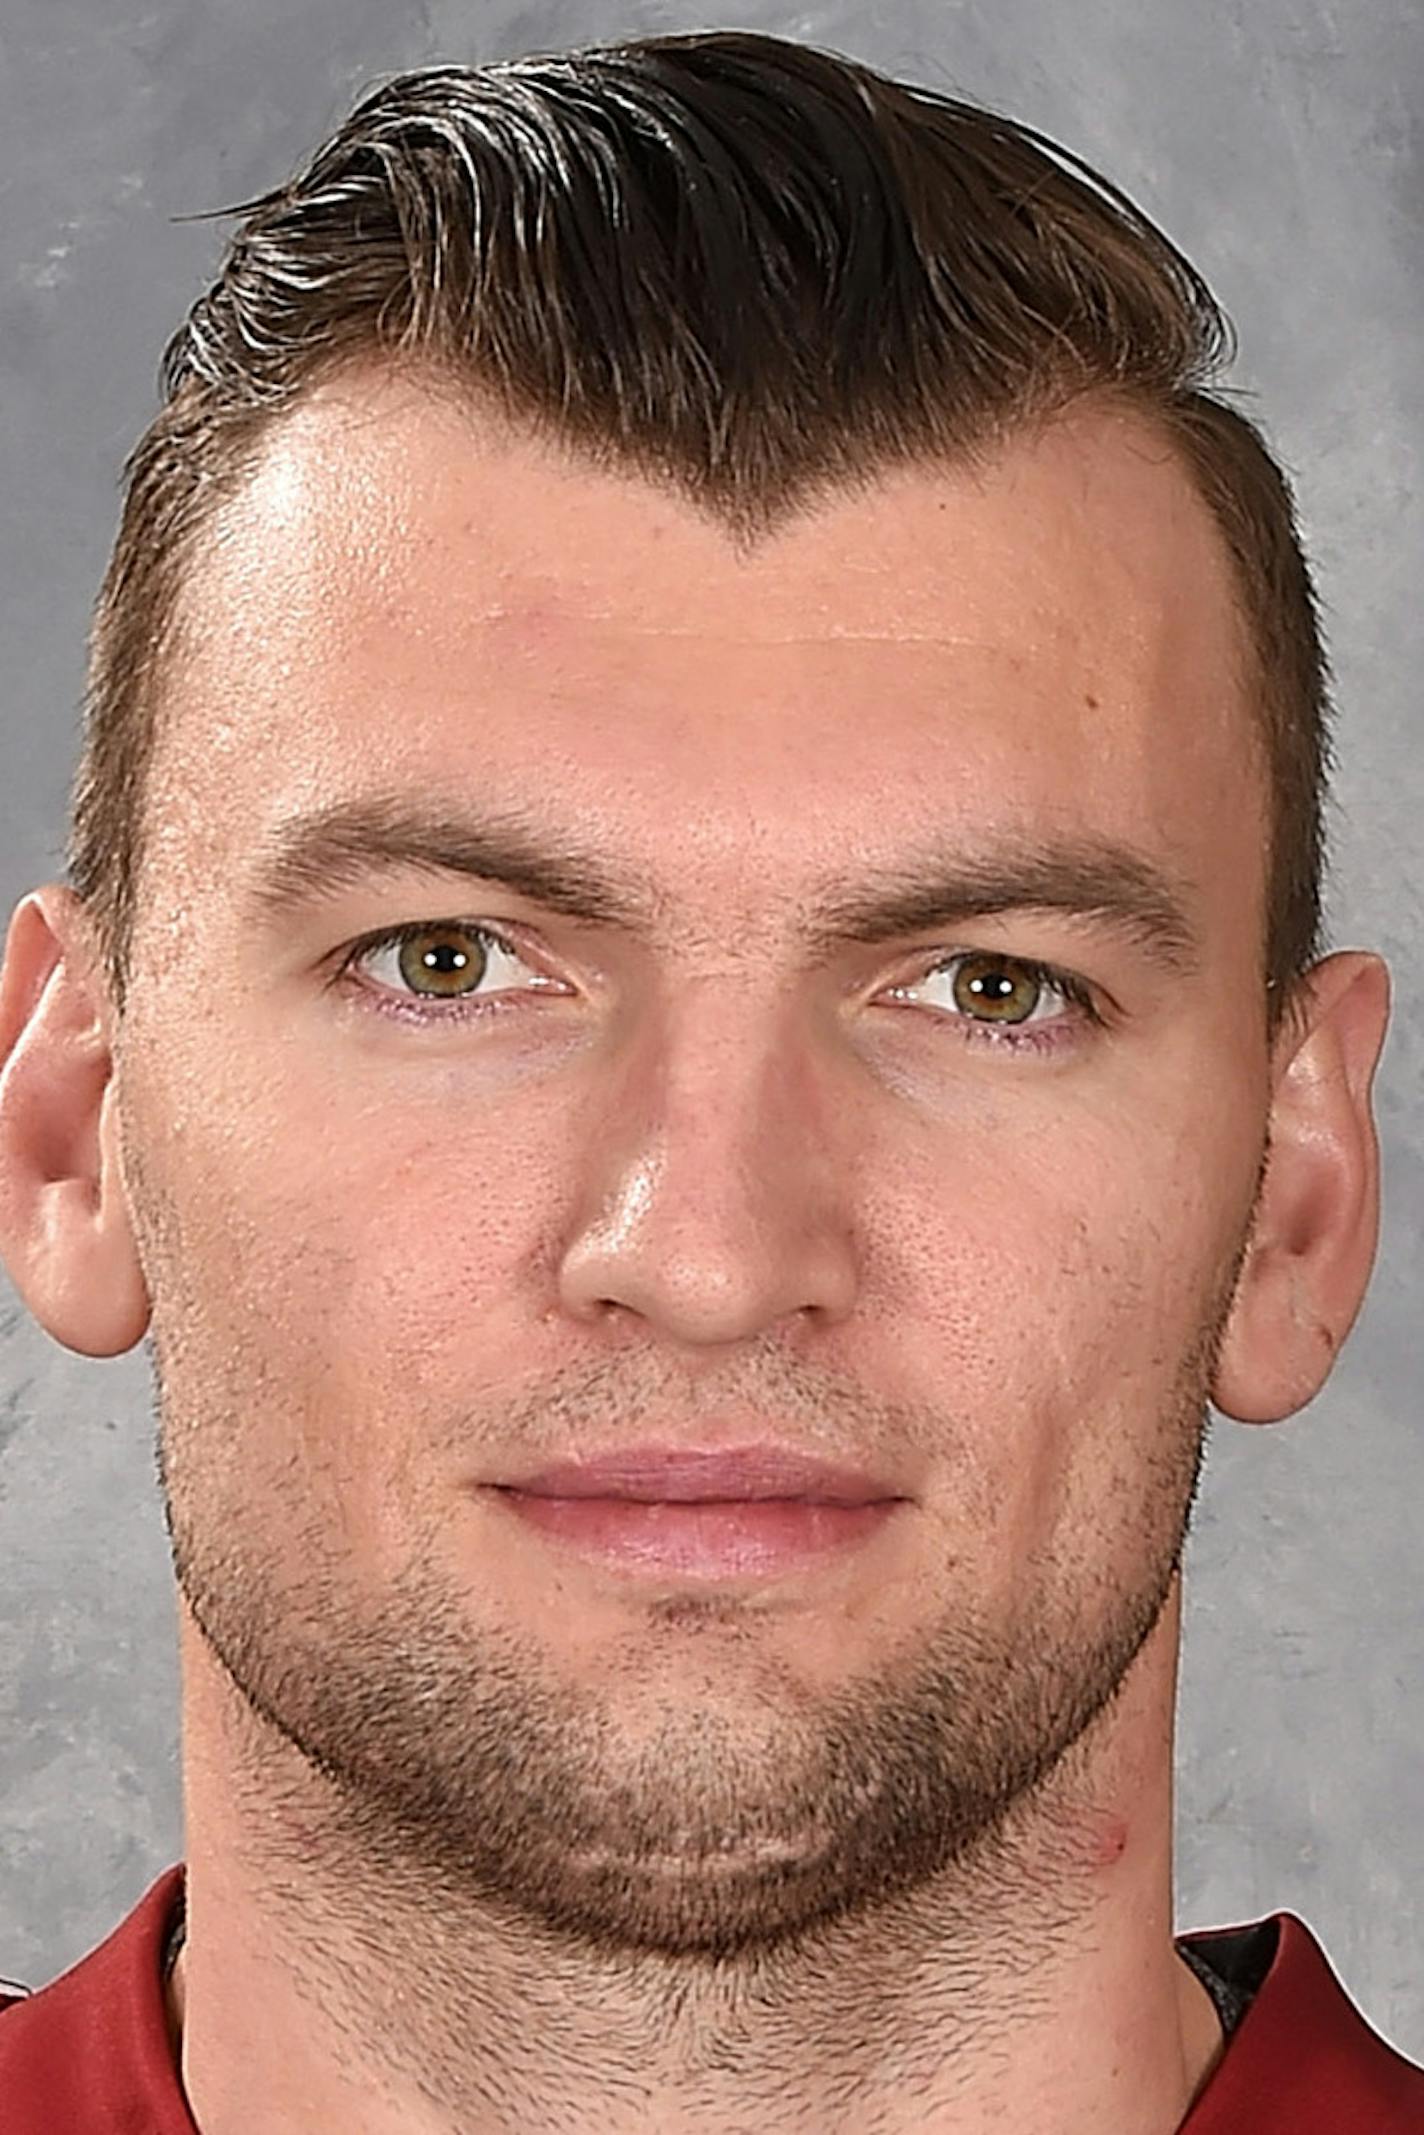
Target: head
[(776, 491)]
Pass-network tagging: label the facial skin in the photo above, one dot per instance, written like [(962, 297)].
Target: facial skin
[(480, 1836)]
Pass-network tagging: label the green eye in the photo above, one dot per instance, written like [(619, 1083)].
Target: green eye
[(996, 989), (435, 959), (431, 962), (435, 969), (1012, 1002)]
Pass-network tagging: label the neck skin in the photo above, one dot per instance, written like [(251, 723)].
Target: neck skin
[(281, 2028)]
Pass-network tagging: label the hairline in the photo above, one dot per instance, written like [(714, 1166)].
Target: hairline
[(444, 382)]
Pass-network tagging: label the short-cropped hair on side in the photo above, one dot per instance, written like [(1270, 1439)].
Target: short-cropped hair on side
[(754, 272)]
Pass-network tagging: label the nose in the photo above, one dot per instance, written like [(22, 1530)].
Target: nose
[(718, 1196)]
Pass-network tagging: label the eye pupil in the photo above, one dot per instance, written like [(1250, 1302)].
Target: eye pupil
[(997, 988), (436, 953)]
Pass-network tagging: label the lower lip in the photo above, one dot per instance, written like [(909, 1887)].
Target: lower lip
[(753, 1536)]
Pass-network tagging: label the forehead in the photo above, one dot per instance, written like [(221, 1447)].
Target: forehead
[(402, 593)]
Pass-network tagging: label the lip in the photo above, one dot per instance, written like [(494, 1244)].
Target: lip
[(675, 1475), (699, 1540)]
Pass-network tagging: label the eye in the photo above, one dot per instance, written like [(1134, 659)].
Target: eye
[(435, 970), (995, 996), (441, 962)]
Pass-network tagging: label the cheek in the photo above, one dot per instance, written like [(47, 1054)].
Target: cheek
[(361, 1278), (351, 1287), (1046, 1281), (407, 1238), (337, 1215)]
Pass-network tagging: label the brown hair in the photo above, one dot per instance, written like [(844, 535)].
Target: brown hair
[(750, 270)]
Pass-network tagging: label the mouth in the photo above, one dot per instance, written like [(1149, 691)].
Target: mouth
[(672, 1475), (753, 1512)]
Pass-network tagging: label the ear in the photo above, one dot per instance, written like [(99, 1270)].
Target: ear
[(1316, 1226), (65, 1231)]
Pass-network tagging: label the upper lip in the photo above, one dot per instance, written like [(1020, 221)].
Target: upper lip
[(661, 1474)]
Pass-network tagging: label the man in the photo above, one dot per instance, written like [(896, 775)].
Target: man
[(691, 1002)]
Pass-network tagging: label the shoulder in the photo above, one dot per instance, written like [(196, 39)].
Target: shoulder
[(1303, 2057), (91, 2050)]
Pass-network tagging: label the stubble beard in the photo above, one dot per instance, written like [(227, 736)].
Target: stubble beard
[(436, 1770)]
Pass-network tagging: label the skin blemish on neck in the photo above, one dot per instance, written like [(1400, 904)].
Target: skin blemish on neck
[(1094, 1838)]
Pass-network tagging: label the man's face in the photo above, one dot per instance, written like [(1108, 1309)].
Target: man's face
[(692, 1180)]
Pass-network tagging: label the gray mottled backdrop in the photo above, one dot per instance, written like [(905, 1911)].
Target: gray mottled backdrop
[(1278, 141)]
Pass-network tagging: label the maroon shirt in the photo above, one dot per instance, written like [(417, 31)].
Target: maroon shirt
[(89, 2054)]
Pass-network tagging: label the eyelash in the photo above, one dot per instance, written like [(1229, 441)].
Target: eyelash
[(1001, 1036)]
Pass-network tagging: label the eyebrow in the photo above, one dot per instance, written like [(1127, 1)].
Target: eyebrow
[(318, 854)]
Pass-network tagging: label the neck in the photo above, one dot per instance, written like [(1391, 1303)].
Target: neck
[(306, 1999)]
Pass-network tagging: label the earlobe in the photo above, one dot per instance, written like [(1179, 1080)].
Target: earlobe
[(65, 1232), (1316, 1226)]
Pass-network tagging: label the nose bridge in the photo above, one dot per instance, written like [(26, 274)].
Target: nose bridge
[(715, 1198)]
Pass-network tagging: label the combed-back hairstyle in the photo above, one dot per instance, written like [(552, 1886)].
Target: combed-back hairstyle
[(754, 272)]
